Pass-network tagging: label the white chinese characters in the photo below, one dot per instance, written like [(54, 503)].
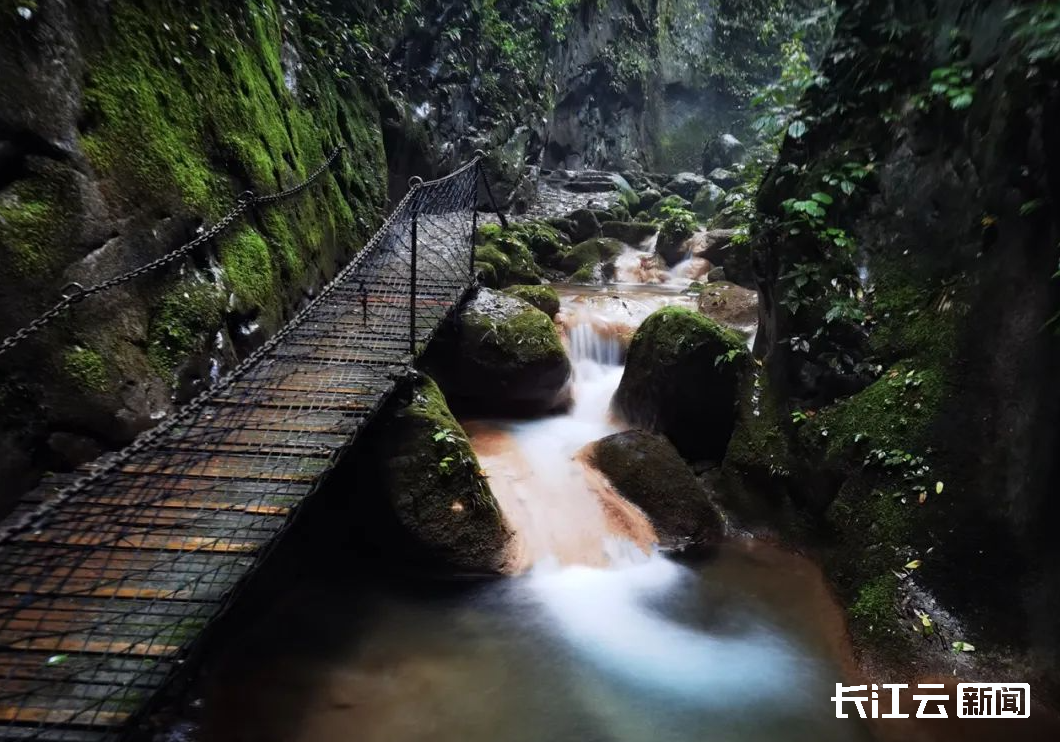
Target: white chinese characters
[(974, 701)]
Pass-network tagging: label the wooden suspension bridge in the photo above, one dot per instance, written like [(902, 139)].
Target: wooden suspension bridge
[(106, 585)]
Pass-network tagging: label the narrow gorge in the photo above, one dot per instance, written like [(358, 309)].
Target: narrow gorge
[(712, 351)]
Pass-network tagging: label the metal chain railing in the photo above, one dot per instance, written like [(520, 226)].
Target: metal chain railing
[(246, 201), (34, 519)]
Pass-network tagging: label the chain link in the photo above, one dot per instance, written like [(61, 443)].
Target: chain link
[(246, 201)]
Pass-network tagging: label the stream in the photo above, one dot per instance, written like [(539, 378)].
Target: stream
[(598, 638)]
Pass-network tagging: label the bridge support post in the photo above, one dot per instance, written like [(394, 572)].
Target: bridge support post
[(474, 236), (412, 296)]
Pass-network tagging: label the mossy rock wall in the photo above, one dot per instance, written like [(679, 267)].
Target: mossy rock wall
[(929, 430), (125, 127)]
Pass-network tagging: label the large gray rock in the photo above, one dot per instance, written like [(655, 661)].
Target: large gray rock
[(647, 470), (584, 225), (724, 178), (686, 185), (722, 152), (708, 201), (504, 357)]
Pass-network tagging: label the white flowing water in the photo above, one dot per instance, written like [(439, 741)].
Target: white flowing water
[(601, 639)]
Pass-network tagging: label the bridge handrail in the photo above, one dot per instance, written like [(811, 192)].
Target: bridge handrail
[(36, 518), (74, 293)]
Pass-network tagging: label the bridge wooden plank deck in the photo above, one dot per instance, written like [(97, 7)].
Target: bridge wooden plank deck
[(101, 603)]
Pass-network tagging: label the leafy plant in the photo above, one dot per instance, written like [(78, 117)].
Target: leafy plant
[(1037, 28), (955, 84), (727, 357), (778, 103)]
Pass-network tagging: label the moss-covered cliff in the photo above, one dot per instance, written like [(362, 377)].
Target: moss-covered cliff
[(125, 127), (907, 252)]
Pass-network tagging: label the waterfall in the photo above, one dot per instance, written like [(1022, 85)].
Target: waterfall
[(562, 511)]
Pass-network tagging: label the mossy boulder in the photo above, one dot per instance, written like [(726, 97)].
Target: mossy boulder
[(681, 379), (584, 225), (508, 254), (632, 233), (658, 210), (589, 254), (707, 201), (434, 485), (648, 198), (647, 470), (503, 357), (544, 298)]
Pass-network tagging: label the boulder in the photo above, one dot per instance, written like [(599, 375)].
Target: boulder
[(674, 232), (669, 202), (647, 470), (722, 152), (671, 246), (432, 482), (681, 379), (632, 233), (708, 201), (544, 298), (562, 225), (686, 185), (589, 254), (504, 357), (727, 179), (731, 305), (503, 257), (713, 245), (716, 274), (649, 198), (584, 225)]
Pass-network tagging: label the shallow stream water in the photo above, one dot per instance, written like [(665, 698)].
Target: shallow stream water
[(599, 638)]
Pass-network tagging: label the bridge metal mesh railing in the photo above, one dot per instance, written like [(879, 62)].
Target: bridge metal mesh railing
[(105, 586)]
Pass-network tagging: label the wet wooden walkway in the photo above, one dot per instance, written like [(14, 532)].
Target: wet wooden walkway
[(103, 598)]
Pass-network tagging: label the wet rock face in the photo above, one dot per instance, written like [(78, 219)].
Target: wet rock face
[(954, 300), (433, 483), (503, 357), (122, 131), (647, 470), (681, 380)]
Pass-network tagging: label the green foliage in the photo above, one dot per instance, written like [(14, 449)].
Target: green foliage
[(777, 103), (955, 84), (677, 224), (1037, 28)]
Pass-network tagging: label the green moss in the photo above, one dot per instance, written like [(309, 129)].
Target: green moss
[(544, 298), (520, 339), (167, 103), (584, 275), (586, 255), (498, 262), (37, 231), (181, 322), (893, 413), (875, 605), (759, 443), (674, 329), (661, 207), (86, 368), (247, 263)]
